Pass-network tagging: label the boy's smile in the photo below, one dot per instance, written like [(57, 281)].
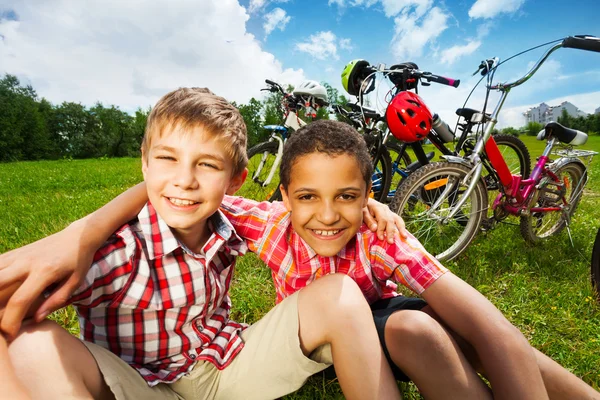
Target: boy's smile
[(187, 173), (326, 195)]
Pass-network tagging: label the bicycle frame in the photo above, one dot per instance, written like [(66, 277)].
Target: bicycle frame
[(514, 187)]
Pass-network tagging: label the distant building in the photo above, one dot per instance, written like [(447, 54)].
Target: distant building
[(545, 113)]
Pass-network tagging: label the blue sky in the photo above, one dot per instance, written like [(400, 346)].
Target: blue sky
[(129, 53)]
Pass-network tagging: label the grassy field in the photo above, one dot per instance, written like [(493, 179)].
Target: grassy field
[(544, 290)]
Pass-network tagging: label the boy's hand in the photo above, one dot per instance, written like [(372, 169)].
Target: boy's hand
[(60, 261), (379, 218)]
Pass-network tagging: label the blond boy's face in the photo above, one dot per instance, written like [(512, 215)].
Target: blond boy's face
[(187, 173), (326, 196)]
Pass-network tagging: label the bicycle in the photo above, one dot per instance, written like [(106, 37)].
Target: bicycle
[(264, 158), (445, 202), (358, 79)]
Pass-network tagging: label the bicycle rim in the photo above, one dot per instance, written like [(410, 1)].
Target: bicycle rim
[(260, 163), (541, 225), (442, 237)]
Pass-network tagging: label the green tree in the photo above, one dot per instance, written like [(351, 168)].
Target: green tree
[(510, 131), (533, 128), (251, 113)]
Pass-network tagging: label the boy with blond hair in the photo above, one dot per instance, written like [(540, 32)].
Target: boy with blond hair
[(154, 305)]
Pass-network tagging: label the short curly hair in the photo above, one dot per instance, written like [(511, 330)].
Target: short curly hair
[(333, 138)]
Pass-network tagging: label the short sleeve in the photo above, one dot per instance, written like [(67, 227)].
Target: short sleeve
[(248, 217), (405, 261)]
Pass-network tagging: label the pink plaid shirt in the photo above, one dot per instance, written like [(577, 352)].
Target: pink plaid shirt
[(157, 305), (374, 264)]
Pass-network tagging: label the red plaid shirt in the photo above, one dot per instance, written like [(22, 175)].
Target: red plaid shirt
[(157, 305), (371, 262)]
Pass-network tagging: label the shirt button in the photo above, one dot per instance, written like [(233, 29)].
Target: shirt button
[(192, 356)]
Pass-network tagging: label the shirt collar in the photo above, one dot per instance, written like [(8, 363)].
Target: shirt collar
[(303, 253), (161, 241)]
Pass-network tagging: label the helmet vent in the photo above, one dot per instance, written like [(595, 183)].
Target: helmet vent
[(414, 103), (401, 118), (410, 112)]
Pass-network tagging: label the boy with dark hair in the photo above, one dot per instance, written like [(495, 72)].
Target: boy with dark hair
[(154, 305)]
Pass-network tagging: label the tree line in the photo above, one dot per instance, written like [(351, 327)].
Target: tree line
[(31, 128)]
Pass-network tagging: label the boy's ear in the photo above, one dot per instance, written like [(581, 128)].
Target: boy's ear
[(367, 193), (286, 199), (237, 182), (144, 165)]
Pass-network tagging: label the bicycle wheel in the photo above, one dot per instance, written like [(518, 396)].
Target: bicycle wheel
[(517, 157), (382, 176), (399, 163), (569, 188), (260, 162), (425, 198), (596, 265)]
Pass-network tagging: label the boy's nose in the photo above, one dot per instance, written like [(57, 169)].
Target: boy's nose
[(185, 178), (328, 213)]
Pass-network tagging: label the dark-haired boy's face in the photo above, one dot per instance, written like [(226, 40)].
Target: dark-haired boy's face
[(326, 195)]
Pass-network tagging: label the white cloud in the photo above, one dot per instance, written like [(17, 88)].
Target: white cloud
[(276, 19), (395, 7), (491, 8), (346, 44), (256, 5), (320, 45), (412, 33), (129, 54), (449, 56)]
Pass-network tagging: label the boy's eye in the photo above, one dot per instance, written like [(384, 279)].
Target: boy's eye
[(209, 165), (306, 197), (347, 196), (168, 158)]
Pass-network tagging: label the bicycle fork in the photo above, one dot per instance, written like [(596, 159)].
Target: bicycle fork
[(275, 163)]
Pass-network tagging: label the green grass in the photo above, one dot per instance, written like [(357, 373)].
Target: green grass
[(544, 290)]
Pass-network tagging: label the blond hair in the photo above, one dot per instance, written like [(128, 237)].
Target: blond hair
[(190, 108)]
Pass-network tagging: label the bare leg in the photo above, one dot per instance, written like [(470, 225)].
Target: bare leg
[(560, 383), (55, 364), (10, 386), (426, 352), (333, 310)]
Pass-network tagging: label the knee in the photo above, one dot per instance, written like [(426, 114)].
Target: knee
[(413, 328), (341, 295), (35, 344)]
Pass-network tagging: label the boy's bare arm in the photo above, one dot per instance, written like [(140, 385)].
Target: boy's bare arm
[(60, 261), (507, 357)]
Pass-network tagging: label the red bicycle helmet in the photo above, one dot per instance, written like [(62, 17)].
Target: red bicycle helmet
[(408, 117)]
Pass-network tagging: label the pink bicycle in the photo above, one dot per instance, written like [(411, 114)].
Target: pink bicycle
[(444, 204)]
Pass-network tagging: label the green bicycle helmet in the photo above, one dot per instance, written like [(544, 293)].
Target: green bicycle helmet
[(353, 74)]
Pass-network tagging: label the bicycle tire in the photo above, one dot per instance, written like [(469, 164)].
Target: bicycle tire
[(538, 226), (420, 190), (253, 187), (382, 176), (595, 272)]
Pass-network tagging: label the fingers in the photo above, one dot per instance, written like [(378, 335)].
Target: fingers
[(19, 304), (369, 221), (57, 299), (399, 222)]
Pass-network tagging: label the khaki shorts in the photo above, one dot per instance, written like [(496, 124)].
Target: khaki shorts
[(270, 365)]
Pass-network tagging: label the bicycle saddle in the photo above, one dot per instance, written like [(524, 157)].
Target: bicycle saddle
[(368, 112), (467, 113), (563, 134)]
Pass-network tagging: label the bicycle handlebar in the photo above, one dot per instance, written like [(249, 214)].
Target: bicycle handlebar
[(582, 42), (440, 79)]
